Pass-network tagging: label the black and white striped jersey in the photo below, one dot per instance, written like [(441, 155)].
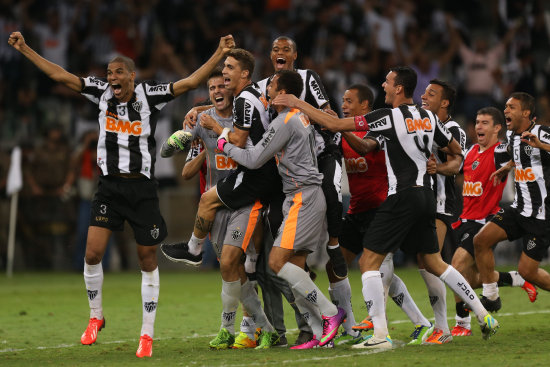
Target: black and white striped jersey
[(532, 173), (127, 129), (251, 112), (313, 92), (444, 186), (406, 134)]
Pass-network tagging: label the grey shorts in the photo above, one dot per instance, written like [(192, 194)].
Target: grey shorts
[(304, 220), (235, 228)]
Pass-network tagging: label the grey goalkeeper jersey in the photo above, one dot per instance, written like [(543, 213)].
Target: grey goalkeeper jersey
[(290, 138)]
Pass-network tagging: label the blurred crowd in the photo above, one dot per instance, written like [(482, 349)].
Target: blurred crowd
[(487, 49)]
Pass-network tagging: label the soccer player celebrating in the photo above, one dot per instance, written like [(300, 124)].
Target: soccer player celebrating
[(407, 218), (528, 217), (126, 157), (291, 139), (481, 198)]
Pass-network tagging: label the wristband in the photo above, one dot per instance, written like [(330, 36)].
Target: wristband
[(361, 123), (221, 143)]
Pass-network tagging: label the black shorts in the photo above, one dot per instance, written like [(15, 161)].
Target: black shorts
[(330, 165), (133, 199), (450, 235), (243, 187), (465, 234), (354, 227), (405, 220), (535, 233)]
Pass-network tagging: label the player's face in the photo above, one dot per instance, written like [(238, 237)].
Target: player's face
[(432, 98), (219, 95), (283, 55), (351, 106), (486, 130), (514, 115), (389, 88), (121, 81), (272, 88), (231, 73)]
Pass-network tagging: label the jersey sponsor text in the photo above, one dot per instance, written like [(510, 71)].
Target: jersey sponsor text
[(123, 126), (472, 188), (356, 165)]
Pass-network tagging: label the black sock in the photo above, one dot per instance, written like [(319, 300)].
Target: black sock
[(461, 310), (504, 279)]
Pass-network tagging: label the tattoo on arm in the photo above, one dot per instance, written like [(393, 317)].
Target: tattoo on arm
[(203, 225)]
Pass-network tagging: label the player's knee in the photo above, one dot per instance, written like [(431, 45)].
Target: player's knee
[(275, 264), (527, 271), (209, 200)]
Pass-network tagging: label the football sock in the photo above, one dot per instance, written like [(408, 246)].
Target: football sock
[(400, 294), (248, 326), (462, 288), (250, 263), (373, 294), (340, 294), (93, 278), (386, 273), (231, 292), (195, 244), (437, 293), (253, 306), (461, 310), (300, 281), (150, 286), (310, 313), (490, 290)]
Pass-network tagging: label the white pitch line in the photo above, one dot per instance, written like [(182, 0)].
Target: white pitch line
[(194, 336)]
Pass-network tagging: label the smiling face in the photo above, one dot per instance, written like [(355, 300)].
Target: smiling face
[(121, 81), (486, 130), (516, 118), (351, 106), (432, 99), (219, 95), (233, 74), (390, 88), (283, 55), (272, 87)]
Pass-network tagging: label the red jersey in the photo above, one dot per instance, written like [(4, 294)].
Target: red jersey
[(480, 197), (367, 176)]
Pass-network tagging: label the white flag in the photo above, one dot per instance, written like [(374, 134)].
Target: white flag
[(15, 175)]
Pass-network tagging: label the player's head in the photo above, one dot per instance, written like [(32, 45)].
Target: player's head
[(439, 95), (287, 82), (519, 111), (400, 83), (489, 122), (283, 53), (238, 68), (121, 73), (357, 100), (219, 95)]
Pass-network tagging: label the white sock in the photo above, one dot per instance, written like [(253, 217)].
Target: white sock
[(464, 321), (517, 280), (302, 283), (373, 294), (150, 286), (93, 278), (231, 292), (332, 247), (253, 306), (400, 294), (311, 314), (437, 293), (248, 326), (195, 244), (340, 294), (464, 290), (386, 272), (490, 290)]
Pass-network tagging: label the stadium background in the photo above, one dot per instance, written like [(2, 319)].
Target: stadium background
[(345, 42)]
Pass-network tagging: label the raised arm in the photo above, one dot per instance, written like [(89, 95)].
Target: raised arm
[(54, 71), (193, 80), (322, 118)]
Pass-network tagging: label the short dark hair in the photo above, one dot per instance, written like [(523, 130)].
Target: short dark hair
[(217, 73), (290, 40), (128, 62), (405, 77), (290, 81), (363, 93), (244, 58), (449, 92), (495, 113), (527, 102)]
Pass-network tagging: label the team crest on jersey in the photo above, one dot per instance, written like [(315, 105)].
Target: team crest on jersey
[(121, 110), (155, 232), (150, 306), (528, 150), (236, 234), (474, 165), (137, 106)]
